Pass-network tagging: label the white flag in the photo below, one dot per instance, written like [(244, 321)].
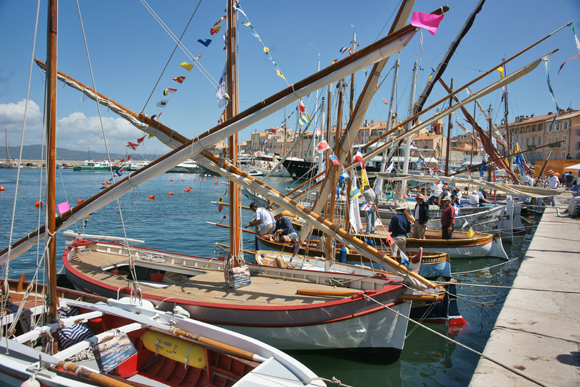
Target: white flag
[(221, 92)]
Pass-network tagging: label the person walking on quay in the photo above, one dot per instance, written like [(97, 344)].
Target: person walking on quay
[(553, 183), (399, 227), (569, 180), (263, 217), (421, 217), (447, 219)]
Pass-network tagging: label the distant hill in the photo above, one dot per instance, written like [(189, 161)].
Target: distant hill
[(34, 152)]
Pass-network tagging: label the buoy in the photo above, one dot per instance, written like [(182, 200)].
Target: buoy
[(277, 179), (175, 349), (32, 382), (104, 182), (1, 188), (151, 196), (182, 179), (38, 204), (186, 190), (172, 179), (343, 254), (217, 182), (215, 177), (108, 182), (195, 179), (80, 201), (170, 193), (204, 179)]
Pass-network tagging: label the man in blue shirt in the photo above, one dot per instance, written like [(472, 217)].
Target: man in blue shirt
[(284, 229), (399, 227)]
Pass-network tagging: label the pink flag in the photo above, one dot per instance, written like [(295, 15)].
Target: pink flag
[(390, 240), (322, 146), (427, 21), (62, 207)]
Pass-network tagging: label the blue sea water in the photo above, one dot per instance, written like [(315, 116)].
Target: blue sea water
[(178, 223)]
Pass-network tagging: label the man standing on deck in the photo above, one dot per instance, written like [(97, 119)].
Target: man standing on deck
[(263, 217), (399, 227), (553, 182), (447, 219), (421, 217)]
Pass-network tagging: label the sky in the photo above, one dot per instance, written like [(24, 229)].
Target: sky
[(129, 51)]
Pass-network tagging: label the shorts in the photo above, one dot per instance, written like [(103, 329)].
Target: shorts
[(292, 235)]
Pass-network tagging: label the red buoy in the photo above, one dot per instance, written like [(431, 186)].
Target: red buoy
[(104, 182), (204, 179), (170, 193), (172, 179), (80, 201), (151, 196), (195, 179), (215, 177), (217, 182), (108, 182), (182, 179), (1, 188), (38, 204), (277, 179)]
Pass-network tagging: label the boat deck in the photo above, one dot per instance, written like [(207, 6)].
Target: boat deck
[(207, 285)]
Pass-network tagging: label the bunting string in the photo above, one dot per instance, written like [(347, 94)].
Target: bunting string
[(571, 25)]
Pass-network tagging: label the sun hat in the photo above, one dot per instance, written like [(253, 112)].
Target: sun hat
[(446, 198), (419, 196), (400, 207)]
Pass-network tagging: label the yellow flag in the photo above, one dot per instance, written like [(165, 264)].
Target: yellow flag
[(187, 66), (500, 69), (151, 136), (280, 74), (364, 181), (470, 233)]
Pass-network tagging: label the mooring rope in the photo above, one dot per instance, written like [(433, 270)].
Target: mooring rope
[(458, 343)]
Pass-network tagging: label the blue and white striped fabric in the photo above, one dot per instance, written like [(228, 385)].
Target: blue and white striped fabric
[(76, 333)]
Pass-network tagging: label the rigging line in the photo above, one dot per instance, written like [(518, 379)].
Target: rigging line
[(513, 288), (456, 342), (395, 10), (173, 52), (6, 266), (448, 64), (104, 136)]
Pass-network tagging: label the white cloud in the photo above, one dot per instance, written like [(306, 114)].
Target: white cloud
[(75, 132)]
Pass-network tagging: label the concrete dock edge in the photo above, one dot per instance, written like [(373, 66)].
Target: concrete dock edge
[(538, 329)]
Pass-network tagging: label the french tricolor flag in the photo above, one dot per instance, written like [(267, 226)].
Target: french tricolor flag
[(359, 157)]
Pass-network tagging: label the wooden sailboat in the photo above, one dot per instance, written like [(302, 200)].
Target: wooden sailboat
[(89, 340)]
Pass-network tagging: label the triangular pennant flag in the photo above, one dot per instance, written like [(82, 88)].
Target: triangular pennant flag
[(151, 136), (343, 176), (404, 259), (354, 193), (155, 117), (500, 69), (343, 50), (187, 66), (334, 160), (577, 46), (317, 132), (390, 240), (385, 101), (322, 146), (219, 21), (214, 30), (364, 181), (248, 24), (140, 140), (169, 90), (179, 79), (301, 107), (280, 74), (358, 157), (119, 171), (205, 42), (163, 103)]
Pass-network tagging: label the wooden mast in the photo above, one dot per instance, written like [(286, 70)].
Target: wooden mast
[(231, 111), (51, 54), (490, 145), (449, 126), (334, 171)]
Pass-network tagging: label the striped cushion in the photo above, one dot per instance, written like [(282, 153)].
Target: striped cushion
[(74, 334)]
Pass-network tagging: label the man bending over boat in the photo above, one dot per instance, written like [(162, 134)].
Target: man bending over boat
[(284, 230), (447, 219), (263, 217)]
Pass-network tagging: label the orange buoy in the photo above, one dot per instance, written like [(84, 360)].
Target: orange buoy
[(170, 193), (151, 196), (104, 182), (195, 179), (172, 179), (204, 179), (277, 179), (182, 179), (1, 188), (217, 182), (38, 204), (108, 182), (80, 201), (215, 177)]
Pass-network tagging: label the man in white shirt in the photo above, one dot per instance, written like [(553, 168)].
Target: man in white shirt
[(553, 182), (436, 190), (263, 217)]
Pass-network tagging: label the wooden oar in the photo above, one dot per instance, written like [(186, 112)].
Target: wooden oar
[(205, 341), (96, 377), (228, 246), (227, 226)]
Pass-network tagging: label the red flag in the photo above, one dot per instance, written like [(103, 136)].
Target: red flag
[(140, 140), (220, 208), (334, 160), (129, 158), (390, 240), (358, 157), (122, 160), (301, 107), (179, 79), (385, 101), (133, 146), (323, 145)]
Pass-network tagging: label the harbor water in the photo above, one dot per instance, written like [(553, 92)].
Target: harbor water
[(178, 223)]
